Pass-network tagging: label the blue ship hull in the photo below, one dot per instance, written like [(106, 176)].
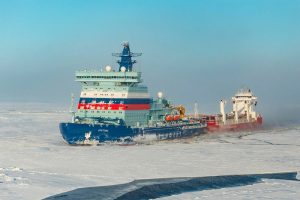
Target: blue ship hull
[(75, 133)]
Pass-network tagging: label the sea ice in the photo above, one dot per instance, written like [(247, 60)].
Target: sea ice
[(36, 163)]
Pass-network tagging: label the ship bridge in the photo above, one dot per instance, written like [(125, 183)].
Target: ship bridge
[(244, 102), (125, 73), (114, 93), (108, 76)]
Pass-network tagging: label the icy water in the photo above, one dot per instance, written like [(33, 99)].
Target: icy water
[(35, 163)]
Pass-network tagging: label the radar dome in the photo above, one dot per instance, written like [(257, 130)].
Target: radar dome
[(123, 69), (108, 68), (160, 95)]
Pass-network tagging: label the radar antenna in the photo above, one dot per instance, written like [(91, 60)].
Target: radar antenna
[(126, 56)]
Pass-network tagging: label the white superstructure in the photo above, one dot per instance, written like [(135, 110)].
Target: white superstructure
[(243, 103)]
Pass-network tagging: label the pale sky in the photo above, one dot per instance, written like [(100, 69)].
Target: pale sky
[(193, 51)]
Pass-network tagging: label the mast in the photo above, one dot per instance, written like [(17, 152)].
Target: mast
[(71, 110), (126, 56), (222, 110), (196, 113)]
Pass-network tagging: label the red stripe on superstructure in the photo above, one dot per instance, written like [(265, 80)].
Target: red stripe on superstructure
[(99, 106)]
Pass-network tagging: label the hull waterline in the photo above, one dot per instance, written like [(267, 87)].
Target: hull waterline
[(74, 133)]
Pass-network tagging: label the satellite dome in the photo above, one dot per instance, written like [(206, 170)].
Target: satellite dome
[(160, 95), (123, 69), (108, 68)]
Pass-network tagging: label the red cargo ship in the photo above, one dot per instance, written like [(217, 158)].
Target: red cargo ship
[(242, 117)]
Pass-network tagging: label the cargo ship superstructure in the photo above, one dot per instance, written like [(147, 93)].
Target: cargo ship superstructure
[(242, 117), (115, 106)]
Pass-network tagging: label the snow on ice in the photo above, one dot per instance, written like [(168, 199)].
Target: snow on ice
[(35, 162)]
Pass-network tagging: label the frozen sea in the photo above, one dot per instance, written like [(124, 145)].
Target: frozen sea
[(35, 162)]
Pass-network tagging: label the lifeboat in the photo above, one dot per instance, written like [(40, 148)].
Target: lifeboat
[(169, 118), (176, 117)]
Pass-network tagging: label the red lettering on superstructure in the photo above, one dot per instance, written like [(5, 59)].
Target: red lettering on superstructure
[(106, 106)]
